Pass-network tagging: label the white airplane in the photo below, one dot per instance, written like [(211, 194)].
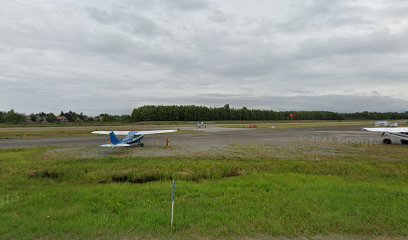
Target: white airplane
[(396, 133), (385, 124), (132, 137), (382, 124), (201, 124)]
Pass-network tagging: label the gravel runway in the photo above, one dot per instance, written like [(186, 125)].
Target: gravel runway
[(216, 136)]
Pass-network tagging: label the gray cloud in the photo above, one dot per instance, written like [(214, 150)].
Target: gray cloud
[(116, 55), (187, 4), (127, 21)]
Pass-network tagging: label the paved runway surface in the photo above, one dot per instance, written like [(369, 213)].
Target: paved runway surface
[(215, 136)]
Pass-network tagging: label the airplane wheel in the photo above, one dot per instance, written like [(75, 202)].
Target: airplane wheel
[(404, 142), (387, 141), (142, 145)]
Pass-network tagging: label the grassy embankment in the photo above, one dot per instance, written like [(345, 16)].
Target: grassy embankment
[(114, 197)]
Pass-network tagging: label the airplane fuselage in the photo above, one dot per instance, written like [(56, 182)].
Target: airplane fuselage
[(396, 133), (133, 139)]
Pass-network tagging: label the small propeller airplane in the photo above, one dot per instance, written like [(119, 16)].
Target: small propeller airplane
[(385, 124), (396, 133), (132, 137), (201, 124)]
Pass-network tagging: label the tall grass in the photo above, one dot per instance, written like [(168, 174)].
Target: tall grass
[(116, 198)]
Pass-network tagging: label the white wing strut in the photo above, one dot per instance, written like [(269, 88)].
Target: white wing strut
[(108, 132), (115, 145), (141, 132), (156, 132)]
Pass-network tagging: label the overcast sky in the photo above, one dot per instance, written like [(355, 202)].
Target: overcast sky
[(110, 56)]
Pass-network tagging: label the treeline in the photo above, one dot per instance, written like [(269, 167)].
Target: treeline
[(194, 113), (70, 116), (12, 117), (104, 117), (202, 113), (375, 116)]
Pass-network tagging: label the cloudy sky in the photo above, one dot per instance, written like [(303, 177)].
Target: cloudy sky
[(110, 56)]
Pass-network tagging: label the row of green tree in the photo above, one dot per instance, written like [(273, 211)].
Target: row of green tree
[(197, 113), (202, 113), (12, 117), (51, 117)]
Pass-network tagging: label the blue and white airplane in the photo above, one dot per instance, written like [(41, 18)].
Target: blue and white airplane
[(132, 137)]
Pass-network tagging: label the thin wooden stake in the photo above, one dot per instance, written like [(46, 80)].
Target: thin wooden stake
[(172, 202)]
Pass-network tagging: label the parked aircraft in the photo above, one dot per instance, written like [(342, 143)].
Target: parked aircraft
[(382, 124), (385, 124), (201, 124), (132, 137), (396, 133)]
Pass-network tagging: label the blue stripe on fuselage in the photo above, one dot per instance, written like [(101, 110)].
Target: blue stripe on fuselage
[(133, 138)]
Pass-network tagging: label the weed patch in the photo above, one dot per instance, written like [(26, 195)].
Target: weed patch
[(136, 180), (47, 174)]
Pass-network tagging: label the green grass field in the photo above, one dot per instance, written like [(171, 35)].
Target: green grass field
[(44, 196)]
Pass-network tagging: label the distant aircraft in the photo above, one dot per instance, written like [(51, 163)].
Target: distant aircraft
[(385, 124), (132, 137), (382, 124), (201, 124), (398, 133)]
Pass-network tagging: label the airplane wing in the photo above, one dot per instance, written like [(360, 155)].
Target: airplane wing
[(388, 130), (124, 133), (115, 145), (156, 132), (141, 132)]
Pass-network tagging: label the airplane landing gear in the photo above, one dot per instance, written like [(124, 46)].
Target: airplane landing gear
[(141, 144), (387, 141)]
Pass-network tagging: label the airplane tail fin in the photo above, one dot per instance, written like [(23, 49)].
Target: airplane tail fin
[(113, 138)]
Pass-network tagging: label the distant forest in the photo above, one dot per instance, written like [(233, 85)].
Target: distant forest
[(12, 117), (194, 113), (202, 113)]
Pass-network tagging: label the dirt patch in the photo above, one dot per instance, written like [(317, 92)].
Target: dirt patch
[(183, 176), (233, 172), (135, 180), (47, 174)]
